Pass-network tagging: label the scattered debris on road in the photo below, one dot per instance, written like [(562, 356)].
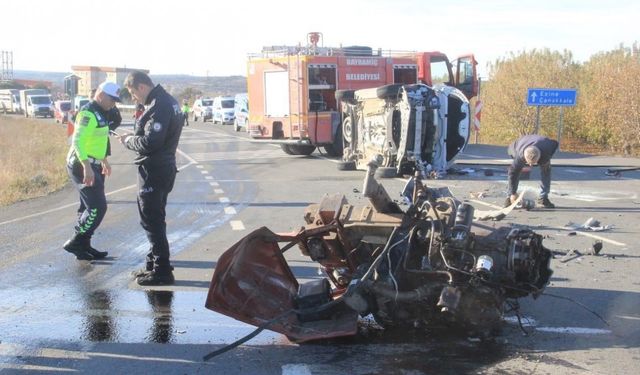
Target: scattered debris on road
[(421, 267)]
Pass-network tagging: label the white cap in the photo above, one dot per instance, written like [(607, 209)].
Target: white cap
[(110, 89)]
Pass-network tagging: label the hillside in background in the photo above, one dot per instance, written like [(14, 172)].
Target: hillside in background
[(174, 83)]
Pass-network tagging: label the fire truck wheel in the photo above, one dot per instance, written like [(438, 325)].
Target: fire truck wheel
[(347, 96), (302, 149), (389, 91), (347, 166), (286, 149), (386, 172)]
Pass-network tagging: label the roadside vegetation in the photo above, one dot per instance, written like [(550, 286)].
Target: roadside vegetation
[(32, 154), (605, 119)]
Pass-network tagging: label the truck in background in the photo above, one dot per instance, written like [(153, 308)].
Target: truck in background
[(36, 102), (241, 112), (10, 101), (223, 109), (293, 88), (62, 109)]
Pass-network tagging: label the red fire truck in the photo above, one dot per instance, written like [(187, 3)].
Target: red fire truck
[(292, 89)]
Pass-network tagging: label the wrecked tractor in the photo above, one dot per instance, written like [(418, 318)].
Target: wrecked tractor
[(426, 266)]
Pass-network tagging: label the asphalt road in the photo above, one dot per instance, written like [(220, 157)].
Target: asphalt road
[(60, 315)]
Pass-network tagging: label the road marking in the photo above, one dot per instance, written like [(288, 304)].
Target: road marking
[(218, 191), (213, 183), (485, 203), (223, 200), (530, 322), (191, 162), (575, 330), (199, 166), (208, 177), (295, 369), (230, 210), (575, 171), (204, 172), (236, 225)]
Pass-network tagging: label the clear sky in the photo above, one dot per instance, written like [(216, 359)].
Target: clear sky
[(200, 38)]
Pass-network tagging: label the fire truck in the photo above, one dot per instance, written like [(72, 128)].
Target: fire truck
[(295, 91)]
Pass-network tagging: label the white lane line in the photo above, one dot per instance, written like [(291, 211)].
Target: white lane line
[(530, 322), (230, 210), (191, 162), (574, 171), (223, 200), (218, 191), (208, 177), (236, 225), (295, 369), (200, 166), (575, 330), (485, 203), (213, 183), (204, 172)]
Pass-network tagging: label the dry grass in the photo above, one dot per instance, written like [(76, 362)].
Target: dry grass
[(32, 156)]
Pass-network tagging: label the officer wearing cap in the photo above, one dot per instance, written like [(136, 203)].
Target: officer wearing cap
[(87, 166), (155, 141)]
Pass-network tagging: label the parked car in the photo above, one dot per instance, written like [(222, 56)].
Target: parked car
[(61, 110), (223, 109), (241, 112), (409, 127), (203, 108)]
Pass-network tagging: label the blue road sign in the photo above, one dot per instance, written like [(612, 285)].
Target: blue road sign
[(552, 97)]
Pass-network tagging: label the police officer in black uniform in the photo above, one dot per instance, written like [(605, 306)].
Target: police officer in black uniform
[(155, 140)]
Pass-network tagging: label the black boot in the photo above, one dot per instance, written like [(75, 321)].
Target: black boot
[(97, 254), (158, 276), (148, 267), (77, 245)]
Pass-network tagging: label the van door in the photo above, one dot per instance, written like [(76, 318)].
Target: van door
[(465, 75)]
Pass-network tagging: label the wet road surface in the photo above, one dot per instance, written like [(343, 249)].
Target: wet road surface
[(58, 314)]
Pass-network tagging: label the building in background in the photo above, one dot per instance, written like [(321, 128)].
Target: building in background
[(92, 76)]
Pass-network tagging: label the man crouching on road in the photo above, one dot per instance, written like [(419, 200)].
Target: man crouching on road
[(155, 139), (87, 166), (531, 150)]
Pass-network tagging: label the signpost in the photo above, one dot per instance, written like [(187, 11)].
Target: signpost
[(554, 98)]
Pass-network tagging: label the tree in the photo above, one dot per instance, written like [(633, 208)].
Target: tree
[(506, 113)]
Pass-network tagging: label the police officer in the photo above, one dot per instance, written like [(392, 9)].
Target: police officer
[(155, 140), (185, 112), (87, 166), (531, 150)]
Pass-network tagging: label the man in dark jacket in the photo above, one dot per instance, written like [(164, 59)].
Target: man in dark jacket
[(531, 150), (155, 140)]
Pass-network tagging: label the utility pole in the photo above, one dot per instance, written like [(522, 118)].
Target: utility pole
[(6, 68)]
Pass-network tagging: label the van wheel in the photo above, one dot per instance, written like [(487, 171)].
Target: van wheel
[(195, 118), (347, 96), (389, 91), (386, 172), (347, 166), (236, 126)]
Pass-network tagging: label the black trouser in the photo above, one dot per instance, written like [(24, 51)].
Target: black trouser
[(154, 185), (92, 198), (186, 118)]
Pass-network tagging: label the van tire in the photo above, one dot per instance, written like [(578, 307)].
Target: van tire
[(347, 96), (389, 91), (386, 172), (347, 166)]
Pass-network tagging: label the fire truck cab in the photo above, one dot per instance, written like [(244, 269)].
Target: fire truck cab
[(292, 89)]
